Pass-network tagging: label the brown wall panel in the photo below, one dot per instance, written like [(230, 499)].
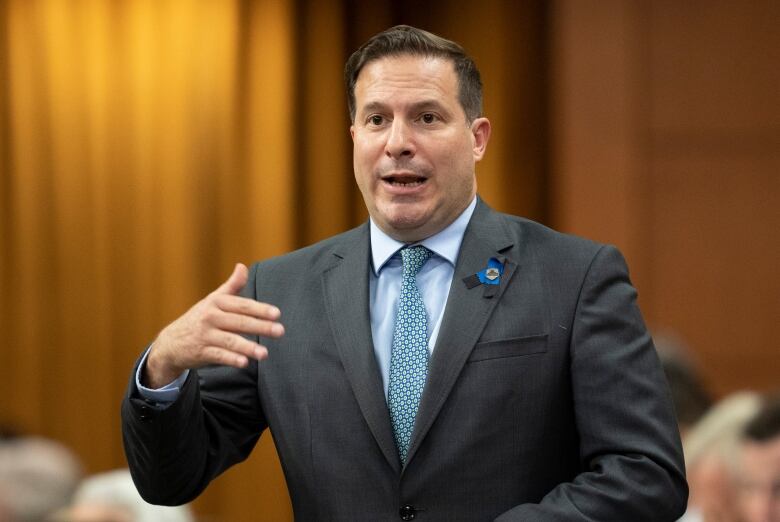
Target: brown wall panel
[(715, 251), (714, 65), (715, 184), (666, 139), (598, 144)]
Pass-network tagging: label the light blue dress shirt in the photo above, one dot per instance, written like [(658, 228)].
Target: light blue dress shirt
[(433, 281)]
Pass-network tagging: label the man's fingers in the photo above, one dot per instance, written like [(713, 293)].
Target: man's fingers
[(235, 344), (247, 324), (235, 282), (246, 306), (217, 355)]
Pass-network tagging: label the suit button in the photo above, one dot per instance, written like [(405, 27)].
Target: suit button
[(406, 512), (144, 416)]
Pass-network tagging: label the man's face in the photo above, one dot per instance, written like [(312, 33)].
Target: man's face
[(759, 476), (414, 150)]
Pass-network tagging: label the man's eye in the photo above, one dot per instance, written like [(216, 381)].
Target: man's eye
[(375, 120), (428, 117)]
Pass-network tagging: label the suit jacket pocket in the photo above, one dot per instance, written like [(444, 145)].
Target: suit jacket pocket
[(513, 347)]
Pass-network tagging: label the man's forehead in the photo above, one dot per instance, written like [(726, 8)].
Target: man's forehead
[(401, 64), (428, 77), (765, 453)]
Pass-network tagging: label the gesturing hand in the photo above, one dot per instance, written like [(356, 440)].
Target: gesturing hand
[(210, 333)]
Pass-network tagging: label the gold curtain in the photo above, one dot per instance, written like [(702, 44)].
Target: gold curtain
[(146, 146)]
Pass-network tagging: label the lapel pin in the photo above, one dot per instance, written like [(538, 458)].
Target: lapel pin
[(491, 275)]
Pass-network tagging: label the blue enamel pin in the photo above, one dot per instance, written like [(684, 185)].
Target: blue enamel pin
[(490, 276)]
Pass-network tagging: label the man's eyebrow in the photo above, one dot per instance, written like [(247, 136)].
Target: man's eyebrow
[(414, 107), (372, 106), (426, 104)]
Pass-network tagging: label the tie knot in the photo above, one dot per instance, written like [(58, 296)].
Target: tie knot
[(414, 258)]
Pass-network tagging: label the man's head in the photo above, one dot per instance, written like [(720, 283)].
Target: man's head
[(415, 101), (758, 466), (709, 450), (37, 477), (405, 40)]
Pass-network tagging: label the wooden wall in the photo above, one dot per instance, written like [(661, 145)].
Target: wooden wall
[(666, 142)]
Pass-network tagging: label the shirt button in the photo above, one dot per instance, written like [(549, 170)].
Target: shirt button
[(406, 512)]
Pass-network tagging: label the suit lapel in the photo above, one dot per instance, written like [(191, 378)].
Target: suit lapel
[(345, 286), (466, 313)]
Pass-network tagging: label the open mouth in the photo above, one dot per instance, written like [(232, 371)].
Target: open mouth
[(404, 180)]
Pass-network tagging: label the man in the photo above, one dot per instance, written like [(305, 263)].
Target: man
[(111, 497), (441, 362), (38, 476), (709, 449), (758, 466)]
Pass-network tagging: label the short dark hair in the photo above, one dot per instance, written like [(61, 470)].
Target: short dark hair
[(406, 40), (765, 425)]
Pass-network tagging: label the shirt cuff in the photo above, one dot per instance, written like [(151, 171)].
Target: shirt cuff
[(163, 396)]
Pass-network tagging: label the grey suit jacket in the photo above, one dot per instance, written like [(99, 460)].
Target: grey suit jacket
[(544, 401)]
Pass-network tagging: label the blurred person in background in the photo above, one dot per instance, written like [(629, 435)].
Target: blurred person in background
[(710, 450), (112, 497), (37, 477), (758, 465), (690, 397)]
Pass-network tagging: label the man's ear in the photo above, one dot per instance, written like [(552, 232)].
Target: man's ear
[(352, 131), (480, 129)]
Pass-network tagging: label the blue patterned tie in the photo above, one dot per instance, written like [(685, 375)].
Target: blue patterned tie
[(409, 359)]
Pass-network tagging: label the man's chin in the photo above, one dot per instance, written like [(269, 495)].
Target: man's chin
[(408, 228)]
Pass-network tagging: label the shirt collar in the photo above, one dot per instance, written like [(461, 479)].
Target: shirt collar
[(445, 244)]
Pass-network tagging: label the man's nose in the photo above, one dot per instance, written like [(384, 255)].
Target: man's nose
[(400, 141)]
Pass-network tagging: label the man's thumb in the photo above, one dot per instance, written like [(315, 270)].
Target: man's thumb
[(236, 281)]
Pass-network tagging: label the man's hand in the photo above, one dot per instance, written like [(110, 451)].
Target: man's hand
[(210, 333)]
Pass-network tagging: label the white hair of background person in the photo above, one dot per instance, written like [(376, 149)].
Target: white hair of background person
[(711, 448), (116, 489), (37, 477), (719, 430)]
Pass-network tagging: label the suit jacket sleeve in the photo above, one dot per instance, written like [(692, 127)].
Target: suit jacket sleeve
[(630, 452), (174, 453)]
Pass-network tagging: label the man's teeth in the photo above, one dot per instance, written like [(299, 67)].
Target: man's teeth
[(396, 183)]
